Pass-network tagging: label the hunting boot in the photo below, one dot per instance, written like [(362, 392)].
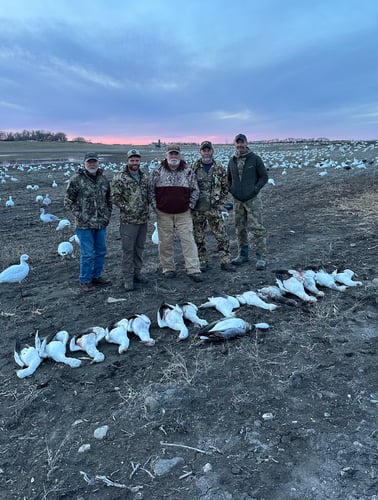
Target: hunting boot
[(260, 262), (242, 257)]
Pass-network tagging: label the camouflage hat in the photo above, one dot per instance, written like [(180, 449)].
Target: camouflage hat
[(206, 144), (240, 137), (175, 148), (133, 152), (91, 156)]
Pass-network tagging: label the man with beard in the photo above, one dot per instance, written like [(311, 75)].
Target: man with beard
[(173, 192), (246, 176), (213, 186), (129, 194), (88, 198)]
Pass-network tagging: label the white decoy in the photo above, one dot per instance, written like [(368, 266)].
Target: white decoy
[(172, 317), (275, 293), (251, 298), (39, 198), (295, 287), (54, 184), (308, 279), (190, 313), (155, 235), (345, 278), (223, 304), (225, 214), (65, 248), (271, 181), (117, 334), (29, 358), (327, 280), (46, 217), (224, 329), (139, 324), (47, 200), (56, 349), (16, 273), (9, 202), (88, 340), (63, 224), (74, 238)]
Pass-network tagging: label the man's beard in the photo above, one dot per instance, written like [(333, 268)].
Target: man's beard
[(173, 162)]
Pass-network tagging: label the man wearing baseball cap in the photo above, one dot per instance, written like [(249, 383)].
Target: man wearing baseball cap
[(88, 198), (173, 192), (213, 186), (246, 177), (129, 194)]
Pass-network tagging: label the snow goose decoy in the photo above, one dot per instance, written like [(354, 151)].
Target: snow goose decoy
[(223, 304), (65, 248), (345, 278), (172, 317), (63, 224), (295, 287), (251, 298), (190, 313), (117, 334), (224, 329), (155, 235), (29, 358), (139, 325), (47, 218), (87, 341), (16, 273), (56, 349), (9, 202), (327, 280), (47, 200)]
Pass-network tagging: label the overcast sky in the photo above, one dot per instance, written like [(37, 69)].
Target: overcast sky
[(187, 70)]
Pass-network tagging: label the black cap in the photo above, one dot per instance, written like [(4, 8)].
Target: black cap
[(91, 156), (206, 144), (240, 137)]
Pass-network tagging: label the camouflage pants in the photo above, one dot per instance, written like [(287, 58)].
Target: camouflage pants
[(214, 219), (249, 216)]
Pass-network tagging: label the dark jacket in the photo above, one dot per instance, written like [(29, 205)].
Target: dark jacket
[(254, 176), (89, 199)]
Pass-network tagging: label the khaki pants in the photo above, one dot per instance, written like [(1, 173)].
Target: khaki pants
[(133, 237), (183, 224)]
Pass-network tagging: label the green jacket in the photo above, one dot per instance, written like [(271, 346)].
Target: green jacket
[(130, 196), (89, 199), (213, 186)]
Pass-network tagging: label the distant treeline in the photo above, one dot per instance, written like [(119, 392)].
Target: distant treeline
[(37, 135)]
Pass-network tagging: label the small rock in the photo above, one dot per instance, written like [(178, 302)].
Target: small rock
[(101, 432), (84, 447), (163, 466)]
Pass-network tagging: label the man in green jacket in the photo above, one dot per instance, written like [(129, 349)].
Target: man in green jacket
[(129, 194), (88, 198), (213, 186), (246, 176)]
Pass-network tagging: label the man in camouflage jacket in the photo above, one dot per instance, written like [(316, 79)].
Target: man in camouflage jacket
[(129, 194), (213, 186), (88, 198)]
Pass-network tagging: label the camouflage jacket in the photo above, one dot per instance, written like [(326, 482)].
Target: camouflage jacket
[(89, 199), (130, 196), (213, 186)]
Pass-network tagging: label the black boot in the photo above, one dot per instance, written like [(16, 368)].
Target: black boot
[(242, 257)]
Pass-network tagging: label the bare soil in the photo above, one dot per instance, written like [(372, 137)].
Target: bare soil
[(286, 413)]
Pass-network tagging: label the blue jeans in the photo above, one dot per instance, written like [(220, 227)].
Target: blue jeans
[(92, 253)]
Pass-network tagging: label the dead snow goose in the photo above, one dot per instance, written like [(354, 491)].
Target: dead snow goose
[(139, 324), (275, 293), (87, 341), (295, 287), (172, 317), (223, 304), (308, 279), (327, 280), (224, 329), (345, 278), (190, 313), (117, 334), (251, 298), (56, 349), (29, 358)]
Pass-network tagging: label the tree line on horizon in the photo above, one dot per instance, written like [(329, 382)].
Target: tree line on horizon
[(37, 135)]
